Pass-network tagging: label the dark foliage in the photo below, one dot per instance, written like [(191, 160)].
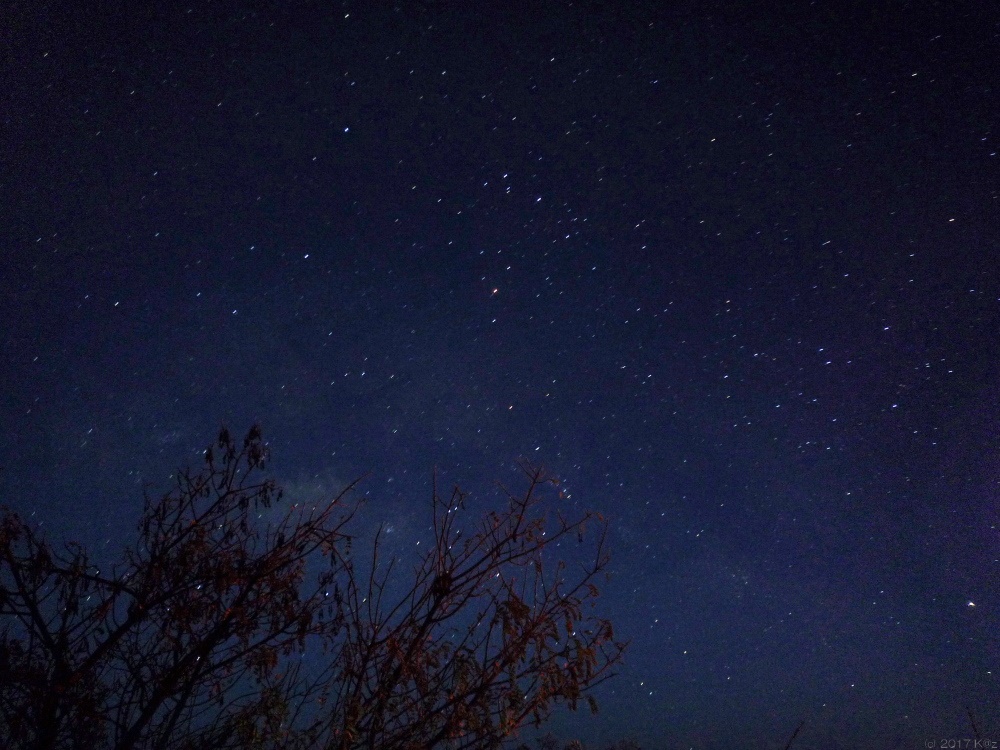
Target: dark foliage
[(197, 638)]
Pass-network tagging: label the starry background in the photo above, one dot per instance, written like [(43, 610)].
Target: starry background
[(727, 269)]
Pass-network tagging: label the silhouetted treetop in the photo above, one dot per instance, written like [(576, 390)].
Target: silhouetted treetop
[(230, 623)]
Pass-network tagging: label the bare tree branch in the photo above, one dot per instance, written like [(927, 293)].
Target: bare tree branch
[(223, 628)]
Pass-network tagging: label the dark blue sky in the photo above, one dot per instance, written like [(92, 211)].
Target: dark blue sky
[(729, 270)]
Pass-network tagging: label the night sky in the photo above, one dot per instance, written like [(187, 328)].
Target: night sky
[(729, 270)]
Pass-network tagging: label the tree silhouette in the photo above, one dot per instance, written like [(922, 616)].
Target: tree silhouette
[(227, 626)]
